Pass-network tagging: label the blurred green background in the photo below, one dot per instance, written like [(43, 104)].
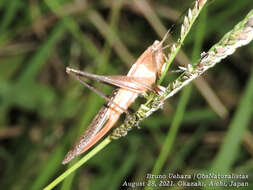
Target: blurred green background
[(43, 111)]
